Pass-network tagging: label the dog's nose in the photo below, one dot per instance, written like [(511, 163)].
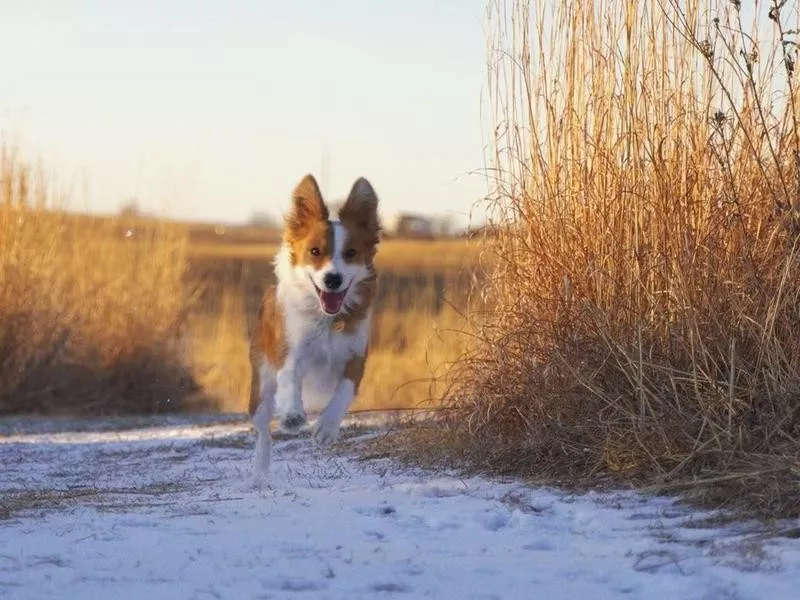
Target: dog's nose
[(332, 281)]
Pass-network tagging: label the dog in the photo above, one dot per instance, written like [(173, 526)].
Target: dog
[(309, 347)]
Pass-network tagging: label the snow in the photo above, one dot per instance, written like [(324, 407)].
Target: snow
[(164, 512)]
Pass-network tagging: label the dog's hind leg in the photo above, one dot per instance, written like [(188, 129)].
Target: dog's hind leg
[(263, 449), (262, 412)]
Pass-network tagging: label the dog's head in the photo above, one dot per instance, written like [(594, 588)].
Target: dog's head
[(332, 257)]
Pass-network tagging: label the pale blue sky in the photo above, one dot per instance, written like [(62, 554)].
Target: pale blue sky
[(214, 109)]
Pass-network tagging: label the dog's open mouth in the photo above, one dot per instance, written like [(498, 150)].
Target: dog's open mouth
[(331, 302)]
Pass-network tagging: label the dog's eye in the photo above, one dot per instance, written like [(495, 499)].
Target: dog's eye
[(350, 253), (315, 251)]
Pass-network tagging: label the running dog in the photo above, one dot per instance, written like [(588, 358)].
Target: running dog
[(310, 344)]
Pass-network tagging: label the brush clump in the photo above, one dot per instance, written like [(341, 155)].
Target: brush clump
[(641, 318), (92, 309)]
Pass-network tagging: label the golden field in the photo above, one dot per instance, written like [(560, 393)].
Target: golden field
[(102, 315)]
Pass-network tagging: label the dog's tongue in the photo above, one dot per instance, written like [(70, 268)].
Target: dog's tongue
[(331, 301)]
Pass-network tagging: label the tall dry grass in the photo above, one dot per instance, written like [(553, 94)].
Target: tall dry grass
[(91, 319), (644, 316)]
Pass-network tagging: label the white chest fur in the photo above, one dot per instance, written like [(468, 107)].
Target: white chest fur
[(322, 353), (319, 342)]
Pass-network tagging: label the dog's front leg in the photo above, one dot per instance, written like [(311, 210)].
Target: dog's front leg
[(326, 429), (288, 397)]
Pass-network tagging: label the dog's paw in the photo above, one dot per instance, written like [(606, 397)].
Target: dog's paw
[(293, 422), (325, 432)]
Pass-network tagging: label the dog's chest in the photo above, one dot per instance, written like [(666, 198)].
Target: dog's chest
[(323, 346)]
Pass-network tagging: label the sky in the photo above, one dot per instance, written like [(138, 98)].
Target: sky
[(213, 110)]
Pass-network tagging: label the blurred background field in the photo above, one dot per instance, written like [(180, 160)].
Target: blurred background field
[(126, 314)]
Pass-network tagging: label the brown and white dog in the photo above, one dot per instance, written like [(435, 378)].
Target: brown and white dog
[(310, 344)]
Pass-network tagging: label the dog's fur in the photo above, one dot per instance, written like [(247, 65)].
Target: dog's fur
[(310, 345)]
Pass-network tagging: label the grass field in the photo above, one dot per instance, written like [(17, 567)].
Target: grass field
[(104, 315)]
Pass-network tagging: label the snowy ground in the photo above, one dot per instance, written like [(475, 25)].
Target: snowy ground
[(160, 512)]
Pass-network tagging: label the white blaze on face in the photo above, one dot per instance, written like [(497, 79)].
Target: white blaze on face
[(337, 265), (339, 241)]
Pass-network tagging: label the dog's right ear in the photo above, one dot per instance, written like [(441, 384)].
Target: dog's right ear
[(307, 206)]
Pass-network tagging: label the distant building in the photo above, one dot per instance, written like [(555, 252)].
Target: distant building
[(411, 226)]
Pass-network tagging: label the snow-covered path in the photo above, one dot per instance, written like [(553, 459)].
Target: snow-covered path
[(162, 513)]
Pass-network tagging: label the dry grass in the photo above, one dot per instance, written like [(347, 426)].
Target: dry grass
[(90, 321), (645, 298), (409, 352), (219, 351)]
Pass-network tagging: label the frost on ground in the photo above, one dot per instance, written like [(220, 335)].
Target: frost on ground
[(161, 512)]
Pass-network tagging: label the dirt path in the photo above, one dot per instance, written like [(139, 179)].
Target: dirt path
[(162, 512)]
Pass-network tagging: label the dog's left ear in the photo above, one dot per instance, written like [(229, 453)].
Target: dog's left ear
[(361, 209)]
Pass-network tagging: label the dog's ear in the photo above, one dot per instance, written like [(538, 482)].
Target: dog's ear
[(361, 209), (307, 206)]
